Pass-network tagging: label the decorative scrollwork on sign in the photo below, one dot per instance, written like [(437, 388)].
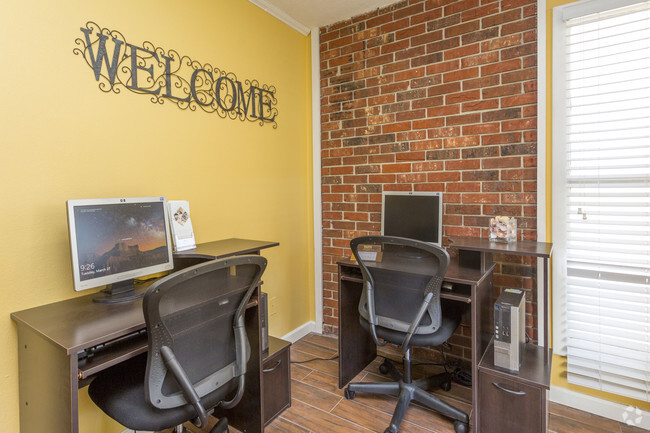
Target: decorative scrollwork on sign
[(168, 76)]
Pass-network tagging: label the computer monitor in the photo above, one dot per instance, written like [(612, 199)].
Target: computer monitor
[(413, 215), (113, 241)]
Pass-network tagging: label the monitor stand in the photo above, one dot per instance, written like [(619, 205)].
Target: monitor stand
[(123, 291), (407, 253), (410, 255)]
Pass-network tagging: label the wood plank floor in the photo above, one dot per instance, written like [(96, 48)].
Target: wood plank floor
[(318, 406)]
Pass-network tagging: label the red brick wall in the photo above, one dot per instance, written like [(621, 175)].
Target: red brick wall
[(430, 95)]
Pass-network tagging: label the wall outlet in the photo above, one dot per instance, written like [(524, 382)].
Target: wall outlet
[(273, 306)]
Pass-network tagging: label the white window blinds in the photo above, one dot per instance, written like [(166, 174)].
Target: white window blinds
[(606, 129)]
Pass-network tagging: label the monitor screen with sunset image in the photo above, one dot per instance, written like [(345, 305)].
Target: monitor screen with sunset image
[(113, 241)]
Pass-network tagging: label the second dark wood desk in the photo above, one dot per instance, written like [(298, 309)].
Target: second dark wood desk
[(470, 272), (52, 340), (471, 284)]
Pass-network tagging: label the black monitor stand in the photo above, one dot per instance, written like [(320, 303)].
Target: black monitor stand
[(405, 252), (123, 291)]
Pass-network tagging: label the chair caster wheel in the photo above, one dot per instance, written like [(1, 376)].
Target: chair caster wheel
[(461, 427), (446, 386), (349, 394), (384, 367)]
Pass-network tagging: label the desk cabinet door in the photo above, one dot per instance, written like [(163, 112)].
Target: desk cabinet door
[(277, 384), (506, 405)]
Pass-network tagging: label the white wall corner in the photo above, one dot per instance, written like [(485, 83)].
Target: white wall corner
[(543, 319), (316, 168), (629, 415), (281, 15), (541, 121)]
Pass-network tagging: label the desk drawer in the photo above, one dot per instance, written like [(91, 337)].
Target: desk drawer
[(507, 405), (277, 379)]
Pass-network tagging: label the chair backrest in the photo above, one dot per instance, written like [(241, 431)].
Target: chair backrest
[(401, 283), (195, 325)]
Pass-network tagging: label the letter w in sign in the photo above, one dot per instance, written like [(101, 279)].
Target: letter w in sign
[(102, 55)]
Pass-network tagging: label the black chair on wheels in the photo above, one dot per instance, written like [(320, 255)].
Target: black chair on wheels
[(198, 349), (400, 304)]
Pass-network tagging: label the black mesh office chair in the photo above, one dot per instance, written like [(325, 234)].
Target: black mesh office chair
[(198, 349), (400, 304)]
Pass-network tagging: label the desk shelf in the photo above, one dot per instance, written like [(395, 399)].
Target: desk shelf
[(351, 278), (350, 272), (535, 369), (460, 293), (112, 354)]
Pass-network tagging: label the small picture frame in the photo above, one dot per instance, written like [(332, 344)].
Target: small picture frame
[(503, 229)]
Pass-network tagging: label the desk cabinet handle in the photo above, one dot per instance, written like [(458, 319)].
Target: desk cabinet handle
[(508, 390), (277, 364)]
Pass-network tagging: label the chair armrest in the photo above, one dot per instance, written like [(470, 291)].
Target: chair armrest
[(241, 359), (370, 300), (240, 392)]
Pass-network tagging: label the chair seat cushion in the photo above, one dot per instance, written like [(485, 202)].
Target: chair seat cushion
[(119, 392), (452, 313)]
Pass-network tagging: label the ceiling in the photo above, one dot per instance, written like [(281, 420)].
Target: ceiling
[(304, 15)]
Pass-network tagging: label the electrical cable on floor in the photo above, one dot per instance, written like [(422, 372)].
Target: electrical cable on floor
[(444, 358), (459, 376), (462, 377), (315, 359), (435, 364)]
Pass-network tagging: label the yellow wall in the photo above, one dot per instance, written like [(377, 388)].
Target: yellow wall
[(559, 372), (62, 138)]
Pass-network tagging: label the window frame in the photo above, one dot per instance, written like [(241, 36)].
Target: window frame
[(558, 158)]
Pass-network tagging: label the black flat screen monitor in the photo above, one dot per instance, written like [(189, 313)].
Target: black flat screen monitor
[(413, 215), (114, 241)]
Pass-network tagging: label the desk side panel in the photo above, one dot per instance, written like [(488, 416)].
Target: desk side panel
[(47, 385), (482, 331), (356, 347)]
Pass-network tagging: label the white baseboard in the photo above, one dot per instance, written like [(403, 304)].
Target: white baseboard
[(605, 408), (301, 331)]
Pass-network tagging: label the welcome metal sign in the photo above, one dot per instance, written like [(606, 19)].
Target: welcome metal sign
[(168, 76)]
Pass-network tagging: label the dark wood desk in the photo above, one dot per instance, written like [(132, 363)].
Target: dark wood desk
[(53, 338), (356, 347), (470, 272)]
